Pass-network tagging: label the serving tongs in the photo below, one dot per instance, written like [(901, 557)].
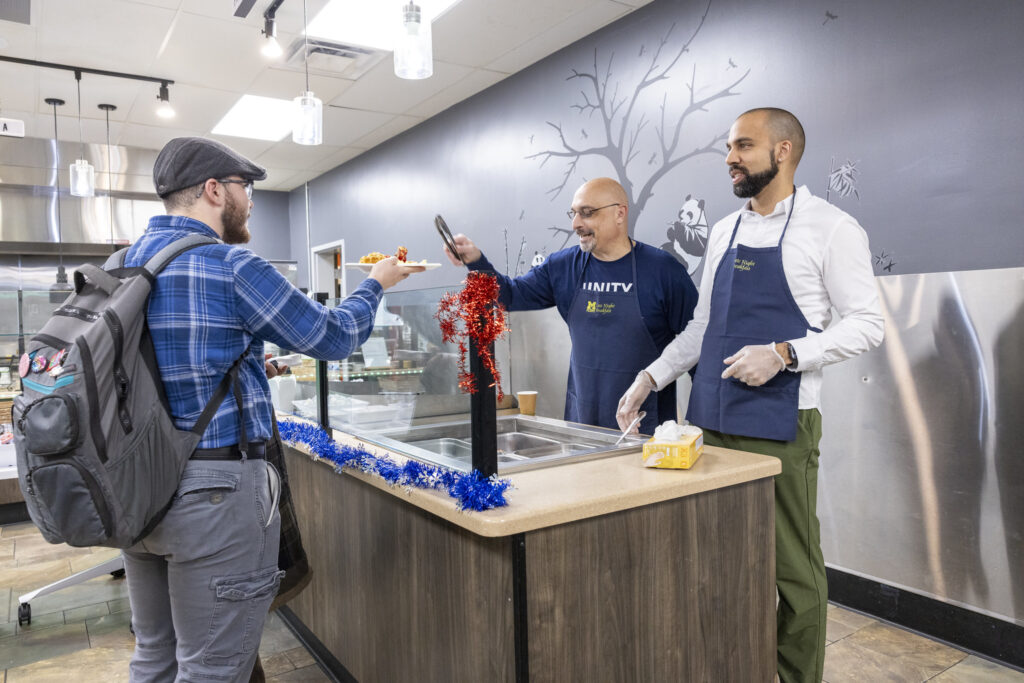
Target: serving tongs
[(446, 236), (636, 420)]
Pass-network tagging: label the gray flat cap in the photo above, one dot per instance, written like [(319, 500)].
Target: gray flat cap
[(184, 162)]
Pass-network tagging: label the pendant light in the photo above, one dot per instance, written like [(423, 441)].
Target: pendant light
[(83, 176), (60, 290), (308, 128), (107, 108), (413, 57)]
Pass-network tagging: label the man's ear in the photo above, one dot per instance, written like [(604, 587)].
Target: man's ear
[(214, 190), (785, 149)]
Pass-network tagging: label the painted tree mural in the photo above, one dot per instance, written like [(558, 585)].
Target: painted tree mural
[(625, 129)]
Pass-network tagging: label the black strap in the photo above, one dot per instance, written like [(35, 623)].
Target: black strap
[(257, 450), (230, 379)]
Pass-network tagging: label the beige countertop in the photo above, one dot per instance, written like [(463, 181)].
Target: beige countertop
[(565, 493)]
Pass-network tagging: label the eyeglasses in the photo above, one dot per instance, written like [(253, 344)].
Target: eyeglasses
[(586, 211), (246, 185)]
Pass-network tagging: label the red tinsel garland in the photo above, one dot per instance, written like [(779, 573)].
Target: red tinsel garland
[(474, 313)]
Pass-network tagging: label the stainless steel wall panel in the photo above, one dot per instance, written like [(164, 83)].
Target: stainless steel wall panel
[(922, 484)]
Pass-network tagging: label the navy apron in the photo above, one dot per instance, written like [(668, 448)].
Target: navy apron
[(750, 304), (609, 343)]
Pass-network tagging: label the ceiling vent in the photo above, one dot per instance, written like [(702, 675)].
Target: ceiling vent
[(334, 59), (18, 11)]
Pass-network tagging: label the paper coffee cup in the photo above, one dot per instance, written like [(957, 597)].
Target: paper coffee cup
[(527, 402)]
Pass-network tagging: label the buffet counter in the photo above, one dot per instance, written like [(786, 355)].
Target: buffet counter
[(596, 570)]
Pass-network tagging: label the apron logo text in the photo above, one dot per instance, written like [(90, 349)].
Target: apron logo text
[(744, 264), (608, 286), (594, 307)]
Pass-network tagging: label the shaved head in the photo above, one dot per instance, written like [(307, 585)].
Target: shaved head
[(783, 126), (608, 189)]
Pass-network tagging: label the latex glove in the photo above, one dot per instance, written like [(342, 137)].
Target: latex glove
[(754, 365), (629, 404)]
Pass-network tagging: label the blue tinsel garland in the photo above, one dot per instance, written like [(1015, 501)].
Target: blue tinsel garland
[(471, 491)]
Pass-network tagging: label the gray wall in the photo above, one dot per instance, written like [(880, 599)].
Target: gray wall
[(269, 225)]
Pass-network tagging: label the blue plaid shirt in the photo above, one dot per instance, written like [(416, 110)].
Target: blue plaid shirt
[(215, 302)]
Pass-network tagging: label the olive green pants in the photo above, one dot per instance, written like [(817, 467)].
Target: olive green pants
[(799, 564)]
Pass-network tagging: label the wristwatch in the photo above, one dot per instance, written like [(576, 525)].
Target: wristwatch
[(792, 356)]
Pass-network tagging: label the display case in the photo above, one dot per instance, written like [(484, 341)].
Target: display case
[(400, 391), (404, 372)]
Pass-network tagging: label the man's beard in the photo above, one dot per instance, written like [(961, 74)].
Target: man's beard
[(752, 184), (233, 218), (589, 246)]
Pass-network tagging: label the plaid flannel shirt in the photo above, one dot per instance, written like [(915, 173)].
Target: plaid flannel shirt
[(215, 302)]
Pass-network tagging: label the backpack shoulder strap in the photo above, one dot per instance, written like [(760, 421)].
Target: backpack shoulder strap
[(116, 260), (175, 249)]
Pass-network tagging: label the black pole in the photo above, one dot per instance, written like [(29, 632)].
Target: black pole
[(321, 379), (483, 414)]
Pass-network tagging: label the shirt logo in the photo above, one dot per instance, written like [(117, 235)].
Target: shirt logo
[(744, 264), (608, 286)]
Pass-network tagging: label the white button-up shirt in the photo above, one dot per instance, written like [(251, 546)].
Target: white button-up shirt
[(828, 267)]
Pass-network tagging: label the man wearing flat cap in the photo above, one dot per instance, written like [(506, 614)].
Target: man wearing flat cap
[(201, 583)]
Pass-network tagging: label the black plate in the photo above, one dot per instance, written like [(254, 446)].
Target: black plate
[(446, 235)]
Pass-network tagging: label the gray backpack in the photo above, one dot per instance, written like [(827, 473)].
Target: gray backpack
[(99, 456)]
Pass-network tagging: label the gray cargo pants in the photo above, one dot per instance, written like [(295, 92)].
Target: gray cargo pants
[(201, 583)]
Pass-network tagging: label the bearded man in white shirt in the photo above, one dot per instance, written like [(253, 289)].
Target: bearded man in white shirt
[(762, 331)]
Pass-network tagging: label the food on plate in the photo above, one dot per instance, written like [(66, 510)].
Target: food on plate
[(372, 257), (375, 256)]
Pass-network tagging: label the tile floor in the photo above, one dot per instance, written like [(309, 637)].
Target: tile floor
[(84, 629)]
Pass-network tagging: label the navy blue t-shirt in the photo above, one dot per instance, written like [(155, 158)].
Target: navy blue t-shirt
[(666, 294)]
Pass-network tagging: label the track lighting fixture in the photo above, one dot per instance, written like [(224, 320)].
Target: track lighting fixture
[(271, 48), (164, 110)]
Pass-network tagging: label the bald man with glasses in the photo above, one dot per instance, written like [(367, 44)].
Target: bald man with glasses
[(623, 301)]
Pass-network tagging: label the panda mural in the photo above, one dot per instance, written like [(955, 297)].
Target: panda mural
[(688, 234)]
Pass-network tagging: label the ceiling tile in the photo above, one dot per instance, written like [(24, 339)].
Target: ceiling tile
[(477, 33), (247, 147), (279, 179), (286, 154), (548, 41), (342, 126), (22, 97), (287, 84), (196, 109), (478, 80), (337, 159), (381, 90), (42, 126), (219, 54), (148, 137), (102, 27), (398, 124)]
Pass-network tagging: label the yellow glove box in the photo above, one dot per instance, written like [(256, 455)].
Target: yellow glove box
[(676, 455)]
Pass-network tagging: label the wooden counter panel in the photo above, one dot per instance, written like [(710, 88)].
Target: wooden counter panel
[(682, 590), (397, 593)]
